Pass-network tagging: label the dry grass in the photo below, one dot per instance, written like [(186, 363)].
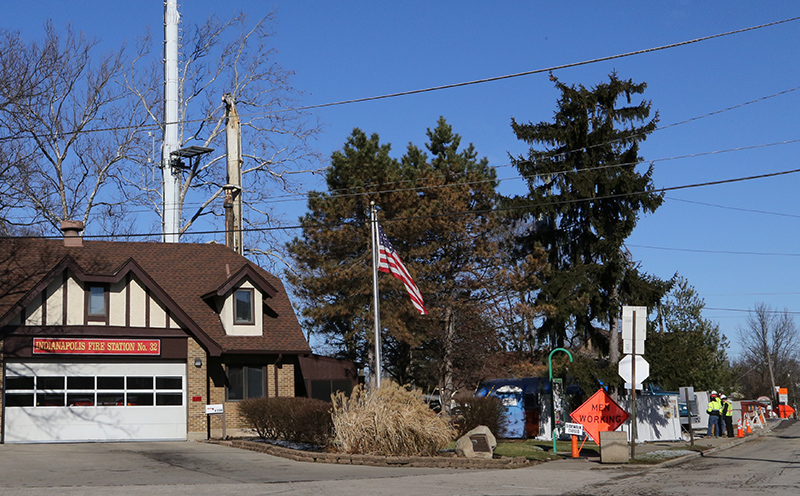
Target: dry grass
[(391, 421)]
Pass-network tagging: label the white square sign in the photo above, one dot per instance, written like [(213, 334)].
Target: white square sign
[(628, 321)]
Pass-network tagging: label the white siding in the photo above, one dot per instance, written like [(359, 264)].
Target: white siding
[(116, 304), (55, 302), (227, 314), (137, 309), (75, 302), (34, 312), (158, 314)]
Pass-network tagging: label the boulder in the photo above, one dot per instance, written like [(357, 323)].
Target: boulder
[(477, 443)]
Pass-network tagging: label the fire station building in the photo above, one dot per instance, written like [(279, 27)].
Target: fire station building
[(120, 341)]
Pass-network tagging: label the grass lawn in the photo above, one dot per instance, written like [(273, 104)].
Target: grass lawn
[(537, 450), (534, 449)]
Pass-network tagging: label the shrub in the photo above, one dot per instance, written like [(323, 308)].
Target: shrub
[(303, 420), (389, 421), (469, 413)]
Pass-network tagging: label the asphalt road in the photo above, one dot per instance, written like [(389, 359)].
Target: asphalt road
[(765, 466)]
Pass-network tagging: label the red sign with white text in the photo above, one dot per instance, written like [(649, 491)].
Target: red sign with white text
[(598, 414), (79, 346)]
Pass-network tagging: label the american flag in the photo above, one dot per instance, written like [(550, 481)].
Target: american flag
[(389, 261)]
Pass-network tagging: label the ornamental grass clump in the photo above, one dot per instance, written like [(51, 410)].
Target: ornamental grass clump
[(390, 421)]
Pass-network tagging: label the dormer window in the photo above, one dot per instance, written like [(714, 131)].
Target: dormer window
[(97, 302), (244, 313)]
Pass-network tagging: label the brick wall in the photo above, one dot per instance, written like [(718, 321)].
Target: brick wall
[(196, 381), (286, 380)]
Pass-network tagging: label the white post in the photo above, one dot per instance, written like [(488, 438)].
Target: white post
[(171, 210), (373, 217)]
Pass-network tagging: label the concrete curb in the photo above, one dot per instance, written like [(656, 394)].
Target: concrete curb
[(376, 460)]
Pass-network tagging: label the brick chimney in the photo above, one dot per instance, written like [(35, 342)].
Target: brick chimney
[(72, 232)]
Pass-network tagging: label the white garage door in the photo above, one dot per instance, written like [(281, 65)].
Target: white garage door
[(72, 402)]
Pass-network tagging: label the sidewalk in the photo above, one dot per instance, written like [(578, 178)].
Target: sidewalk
[(675, 452)]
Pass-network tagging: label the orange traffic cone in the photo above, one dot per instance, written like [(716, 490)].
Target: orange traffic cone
[(749, 430), (739, 430)]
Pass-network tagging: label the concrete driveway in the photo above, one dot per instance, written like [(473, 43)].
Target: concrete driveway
[(198, 469), (169, 463)]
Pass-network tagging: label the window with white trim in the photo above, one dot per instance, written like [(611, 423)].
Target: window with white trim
[(97, 302)]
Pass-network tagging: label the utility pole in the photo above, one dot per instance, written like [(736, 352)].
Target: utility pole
[(233, 188), (171, 209)]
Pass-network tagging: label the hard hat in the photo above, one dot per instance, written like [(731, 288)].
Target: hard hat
[(713, 393), (724, 397)]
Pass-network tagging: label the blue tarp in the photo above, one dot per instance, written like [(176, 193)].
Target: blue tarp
[(513, 394)]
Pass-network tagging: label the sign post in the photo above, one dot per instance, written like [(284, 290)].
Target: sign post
[(633, 318), (687, 395), (553, 393), (218, 409)]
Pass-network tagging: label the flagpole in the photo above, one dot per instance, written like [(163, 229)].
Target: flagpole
[(373, 217)]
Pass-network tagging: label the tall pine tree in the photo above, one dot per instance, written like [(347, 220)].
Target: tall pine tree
[(584, 198)]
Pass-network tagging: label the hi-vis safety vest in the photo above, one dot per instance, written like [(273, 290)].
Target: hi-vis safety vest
[(727, 408), (714, 407)]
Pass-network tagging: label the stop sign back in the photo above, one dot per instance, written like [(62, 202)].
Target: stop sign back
[(598, 414)]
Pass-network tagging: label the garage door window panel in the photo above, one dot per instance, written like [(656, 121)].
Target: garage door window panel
[(111, 399), (140, 383), (14, 383), (81, 382), (140, 399), (105, 383), (19, 400)]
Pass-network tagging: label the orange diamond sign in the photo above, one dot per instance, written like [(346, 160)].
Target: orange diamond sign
[(598, 414)]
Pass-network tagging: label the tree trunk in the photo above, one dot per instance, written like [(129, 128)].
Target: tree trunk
[(613, 339)]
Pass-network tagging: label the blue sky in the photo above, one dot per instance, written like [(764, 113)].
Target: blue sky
[(736, 243)]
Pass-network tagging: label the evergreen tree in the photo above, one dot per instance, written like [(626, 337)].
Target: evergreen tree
[(332, 270), (584, 199), (434, 212), (691, 350)]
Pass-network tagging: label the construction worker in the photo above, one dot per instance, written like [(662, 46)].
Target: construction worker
[(727, 415), (714, 410)]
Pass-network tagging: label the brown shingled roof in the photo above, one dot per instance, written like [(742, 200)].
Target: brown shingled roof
[(181, 273)]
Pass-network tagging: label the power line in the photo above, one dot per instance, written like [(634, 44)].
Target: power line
[(441, 87), (458, 213), (739, 209), (752, 294), (552, 68), (780, 312), (716, 252)]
